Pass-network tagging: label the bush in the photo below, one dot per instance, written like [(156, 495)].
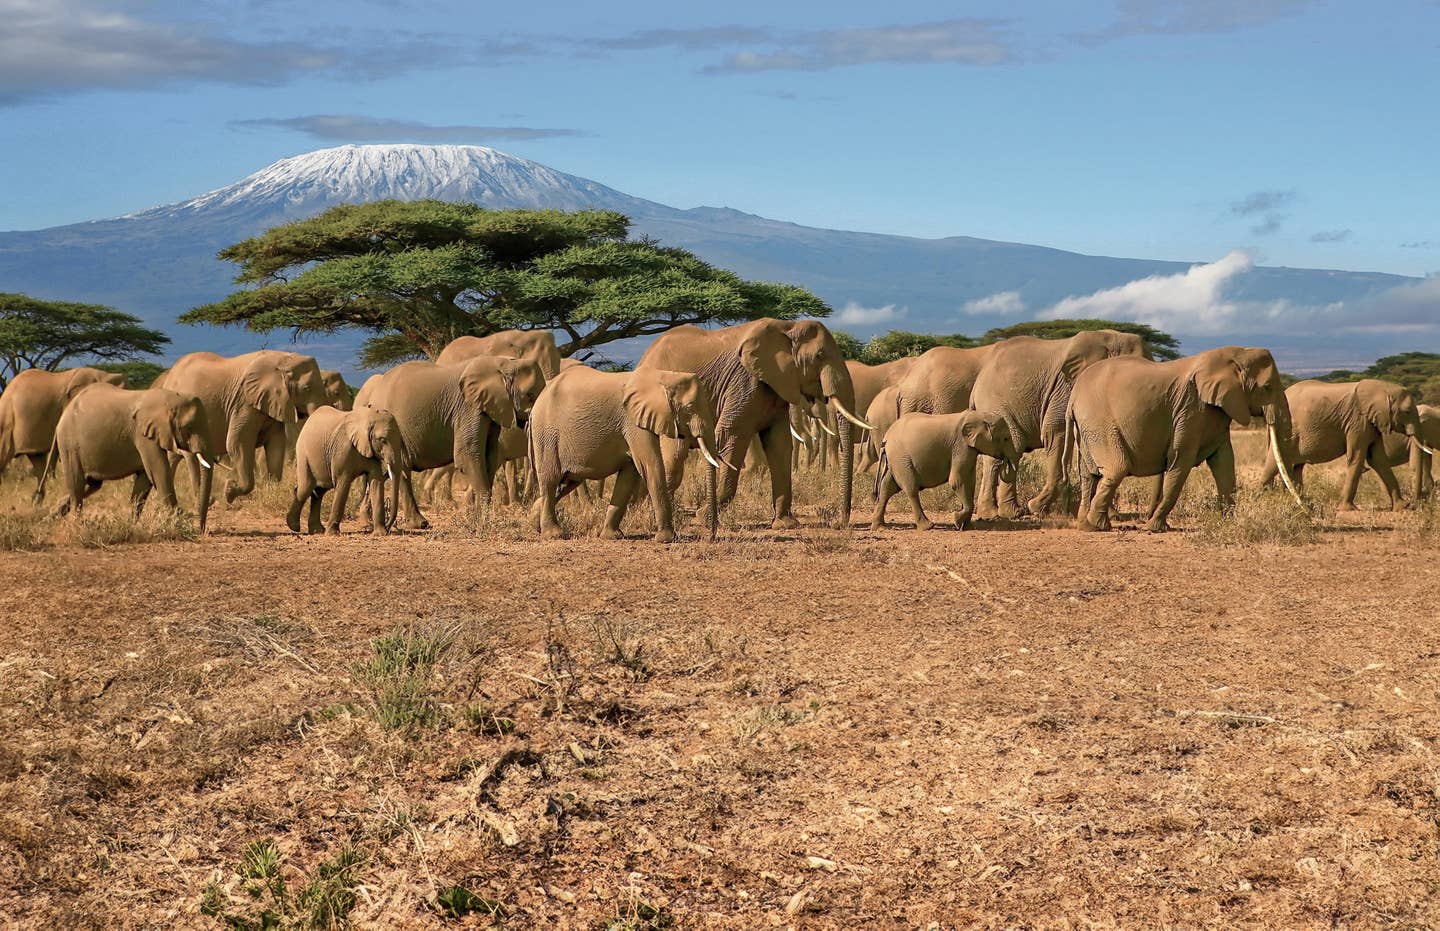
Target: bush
[(398, 676), (1268, 517), (17, 533)]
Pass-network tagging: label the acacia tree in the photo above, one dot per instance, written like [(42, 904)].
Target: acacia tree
[(417, 274), (47, 334)]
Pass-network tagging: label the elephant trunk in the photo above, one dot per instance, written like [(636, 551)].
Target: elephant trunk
[(207, 475), (395, 467), (712, 495)]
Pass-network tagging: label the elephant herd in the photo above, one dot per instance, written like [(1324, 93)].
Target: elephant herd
[(1095, 407)]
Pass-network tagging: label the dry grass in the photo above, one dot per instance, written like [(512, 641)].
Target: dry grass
[(1016, 726)]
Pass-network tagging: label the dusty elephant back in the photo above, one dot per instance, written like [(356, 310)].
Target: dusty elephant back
[(31, 406), (941, 379), (424, 399), (96, 433), (870, 380)]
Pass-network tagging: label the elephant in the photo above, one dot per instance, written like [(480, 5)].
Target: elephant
[(940, 379), (754, 371), (334, 448), (1131, 416), (928, 450), (1350, 419), (590, 425), (1027, 381), (1399, 449), (31, 407), (338, 394), (249, 401), (869, 381), (883, 411), (454, 414), (109, 433), (536, 345)]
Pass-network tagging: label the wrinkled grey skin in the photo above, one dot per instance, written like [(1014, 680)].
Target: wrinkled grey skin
[(754, 371), (249, 401), (31, 407), (109, 433), (1354, 420), (1399, 449), (1130, 416), (929, 450), (335, 448), (590, 425), (1027, 381)]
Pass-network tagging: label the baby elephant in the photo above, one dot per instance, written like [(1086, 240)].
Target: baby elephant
[(590, 425), (928, 450), (336, 447), (108, 433)]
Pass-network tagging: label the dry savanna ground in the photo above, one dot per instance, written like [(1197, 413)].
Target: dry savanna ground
[(1230, 725)]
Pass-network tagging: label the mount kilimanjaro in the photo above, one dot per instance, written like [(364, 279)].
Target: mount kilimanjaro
[(159, 262)]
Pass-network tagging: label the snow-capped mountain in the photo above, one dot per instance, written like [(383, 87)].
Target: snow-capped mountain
[(157, 263), (355, 173)]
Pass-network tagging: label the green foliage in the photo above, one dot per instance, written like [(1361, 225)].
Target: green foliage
[(44, 334), (137, 374), (398, 676), (457, 902), (324, 901), (896, 344), (418, 274), (1159, 345), (1418, 371)]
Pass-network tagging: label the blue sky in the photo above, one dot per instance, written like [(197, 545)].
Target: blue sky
[(1303, 132)]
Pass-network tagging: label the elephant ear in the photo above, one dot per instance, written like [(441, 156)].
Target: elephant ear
[(768, 355), (484, 388), (361, 430), (1085, 349), (972, 428), (650, 403), (1218, 383), (267, 389), (1377, 404), (156, 421), (75, 382)]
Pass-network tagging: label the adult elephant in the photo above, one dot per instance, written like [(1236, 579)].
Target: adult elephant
[(754, 371), (109, 433), (882, 413), (1130, 416), (536, 345), (1354, 420), (591, 425), (31, 407), (249, 401), (941, 379), (338, 394), (869, 382), (1027, 381), (454, 414)]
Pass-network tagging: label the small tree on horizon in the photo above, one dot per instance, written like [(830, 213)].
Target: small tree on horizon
[(417, 274), (1159, 345), (48, 334)]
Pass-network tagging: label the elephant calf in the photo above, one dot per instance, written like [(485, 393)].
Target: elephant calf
[(335, 448), (108, 433), (929, 450), (590, 425)]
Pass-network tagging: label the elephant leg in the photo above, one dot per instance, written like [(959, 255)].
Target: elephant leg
[(1222, 469), (1087, 495), (1354, 466), (342, 497), (139, 491), (304, 484), (912, 491), (626, 482), (888, 488), (1006, 501), (1377, 461), (414, 520), (316, 524), (1098, 517), (962, 481), (645, 453), (777, 444), (1157, 494), (242, 454), (374, 488), (1174, 483), (988, 505), (734, 453), (1053, 456), (275, 454), (552, 489)]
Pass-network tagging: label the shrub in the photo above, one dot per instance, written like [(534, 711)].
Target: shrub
[(1268, 517), (17, 533), (399, 674)]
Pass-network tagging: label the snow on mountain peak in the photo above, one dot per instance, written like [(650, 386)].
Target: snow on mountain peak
[(357, 173)]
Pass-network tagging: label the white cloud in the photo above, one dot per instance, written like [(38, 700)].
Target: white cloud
[(1191, 301), (855, 315), (1007, 303)]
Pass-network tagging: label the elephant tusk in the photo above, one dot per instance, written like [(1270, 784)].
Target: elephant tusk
[(824, 426), (708, 458), (1424, 448), (202, 460), (849, 416), (714, 459), (389, 473), (1282, 466), (798, 436)]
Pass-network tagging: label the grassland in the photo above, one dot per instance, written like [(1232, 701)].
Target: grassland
[(1229, 725)]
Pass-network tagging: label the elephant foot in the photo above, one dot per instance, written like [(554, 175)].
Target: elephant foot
[(609, 533), (784, 522), (987, 513), (293, 523), (416, 523), (962, 521), (665, 536), (1157, 525), (1345, 506), (877, 525), (923, 525), (552, 533), (1010, 511), (1085, 524), (378, 530)]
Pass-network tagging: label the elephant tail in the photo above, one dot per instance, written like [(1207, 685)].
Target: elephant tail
[(50, 459), (882, 469), (1070, 454)]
